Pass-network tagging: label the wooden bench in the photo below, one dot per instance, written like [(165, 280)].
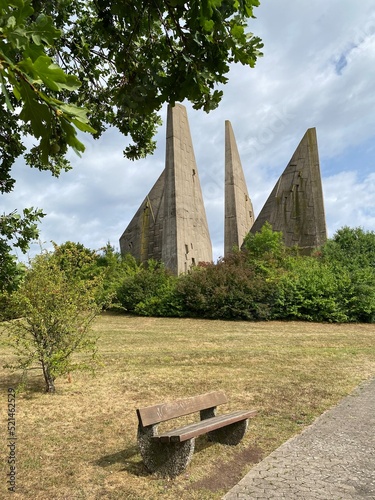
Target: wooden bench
[(169, 453)]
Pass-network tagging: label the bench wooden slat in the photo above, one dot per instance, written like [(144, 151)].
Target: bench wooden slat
[(151, 415), (204, 426)]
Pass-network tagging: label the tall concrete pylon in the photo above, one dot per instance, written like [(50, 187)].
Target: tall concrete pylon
[(239, 213), (295, 206), (171, 224), (186, 238)]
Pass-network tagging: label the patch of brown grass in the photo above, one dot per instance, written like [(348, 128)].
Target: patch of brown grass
[(81, 443)]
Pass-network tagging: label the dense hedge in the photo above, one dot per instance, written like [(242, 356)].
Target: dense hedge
[(230, 289), (265, 281)]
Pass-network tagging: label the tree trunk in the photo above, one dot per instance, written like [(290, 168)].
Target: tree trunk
[(49, 380)]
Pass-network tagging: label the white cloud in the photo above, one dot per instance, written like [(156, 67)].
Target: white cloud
[(349, 201)]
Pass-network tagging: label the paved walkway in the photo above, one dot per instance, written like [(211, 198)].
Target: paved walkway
[(333, 459)]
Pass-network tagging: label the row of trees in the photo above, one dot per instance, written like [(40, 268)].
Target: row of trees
[(58, 296)]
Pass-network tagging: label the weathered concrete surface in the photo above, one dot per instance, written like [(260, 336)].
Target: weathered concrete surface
[(143, 236), (186, 238), (295, 205), (239, 213), (334, 458)]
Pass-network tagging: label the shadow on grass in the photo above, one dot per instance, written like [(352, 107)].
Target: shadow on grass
[(29, 386), (132, 465), (126, 459)]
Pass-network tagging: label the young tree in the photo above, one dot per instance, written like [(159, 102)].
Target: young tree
[(266, 249), (57, 312)]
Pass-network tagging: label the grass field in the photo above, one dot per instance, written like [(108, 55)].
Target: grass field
[(81, 442)]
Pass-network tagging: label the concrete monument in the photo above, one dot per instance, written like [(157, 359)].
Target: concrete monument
[(295, 205), (171, 223), (239, 213)]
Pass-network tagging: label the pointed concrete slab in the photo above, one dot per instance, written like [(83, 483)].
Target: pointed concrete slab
[(239, 213), (186, 238), (296, 205), (143, 236)]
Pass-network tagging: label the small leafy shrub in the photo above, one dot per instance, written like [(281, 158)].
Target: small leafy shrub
[(114, 268), (357, 297), (57, 311), (266, 245), (13, 275), (7, 309)]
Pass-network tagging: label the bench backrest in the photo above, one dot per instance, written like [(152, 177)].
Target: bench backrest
[(151, 415)]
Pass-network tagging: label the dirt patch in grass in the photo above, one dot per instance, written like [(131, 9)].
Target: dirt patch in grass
[(228, 474), (81, 442)]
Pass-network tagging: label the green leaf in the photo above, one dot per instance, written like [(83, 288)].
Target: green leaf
[(73, 111), (71, 137), (23, 10), (84, 127), (207, 25), (53, 76), (44, 70), (33, 112), (237, 31), (11, 23), (44, 31), (4, 90)]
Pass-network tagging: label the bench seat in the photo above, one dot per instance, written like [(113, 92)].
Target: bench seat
[(203, 427)]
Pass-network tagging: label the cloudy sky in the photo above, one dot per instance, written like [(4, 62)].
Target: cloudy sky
[(318, 70)]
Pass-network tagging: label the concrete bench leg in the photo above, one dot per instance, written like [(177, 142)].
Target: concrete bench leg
[(164, 459), (231, 434)]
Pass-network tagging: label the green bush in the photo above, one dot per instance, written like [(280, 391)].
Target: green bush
[(311, 290), (7, 309), (150, 292), (230, 289), (265, 246), (352, 247), (359, 295), (352, 251), (114, 268)]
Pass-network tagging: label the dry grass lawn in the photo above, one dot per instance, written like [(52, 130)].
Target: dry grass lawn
[(81, 442)]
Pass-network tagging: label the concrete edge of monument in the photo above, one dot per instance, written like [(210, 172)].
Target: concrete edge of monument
[(295, 206), (171, 224)]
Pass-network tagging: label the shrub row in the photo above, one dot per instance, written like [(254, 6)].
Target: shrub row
[(265, 281)]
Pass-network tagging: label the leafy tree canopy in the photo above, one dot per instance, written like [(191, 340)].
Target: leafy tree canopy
[(353, 247), (122, 59)]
